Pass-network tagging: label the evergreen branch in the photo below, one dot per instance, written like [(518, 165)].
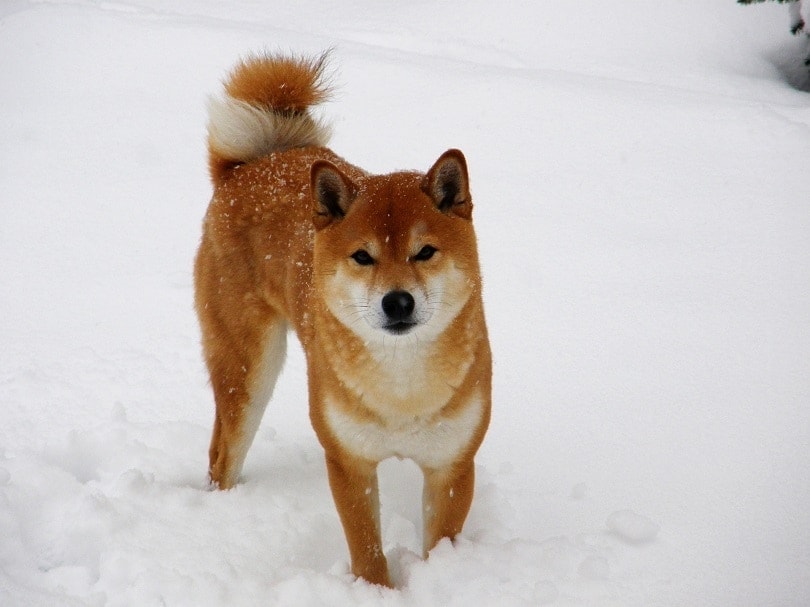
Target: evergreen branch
[(754, 1)]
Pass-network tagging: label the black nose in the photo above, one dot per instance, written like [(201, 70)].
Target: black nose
[(398, 306)]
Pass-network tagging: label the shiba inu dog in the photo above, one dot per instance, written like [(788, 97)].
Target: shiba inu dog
[(379, 277)]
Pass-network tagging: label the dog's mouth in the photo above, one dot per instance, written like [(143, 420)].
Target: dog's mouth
[(400, 327)]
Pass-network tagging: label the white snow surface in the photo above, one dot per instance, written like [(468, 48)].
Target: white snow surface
[(640, 174)]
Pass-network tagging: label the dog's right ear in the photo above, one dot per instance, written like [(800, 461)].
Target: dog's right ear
[(448, 185), (332, 193)]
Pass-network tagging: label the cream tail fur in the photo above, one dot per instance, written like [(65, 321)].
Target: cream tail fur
[(242, 132)]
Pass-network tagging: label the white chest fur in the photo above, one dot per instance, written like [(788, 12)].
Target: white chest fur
[(432, 442)]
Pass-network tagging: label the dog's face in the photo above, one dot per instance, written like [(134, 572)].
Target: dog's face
[(395, 255)]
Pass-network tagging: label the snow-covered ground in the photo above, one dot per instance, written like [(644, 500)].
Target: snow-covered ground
[(640, 171)]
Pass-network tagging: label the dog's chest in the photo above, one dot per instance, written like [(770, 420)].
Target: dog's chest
[(432, 442), (400, 381), (401, 398)]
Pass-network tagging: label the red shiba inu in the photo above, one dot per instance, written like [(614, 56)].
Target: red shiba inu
[(377, 274)]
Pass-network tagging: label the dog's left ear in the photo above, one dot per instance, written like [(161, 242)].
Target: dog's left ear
[(332, 193), (448, 185)]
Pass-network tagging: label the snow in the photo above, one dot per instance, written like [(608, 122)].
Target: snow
[(639, 174), (632, 527)]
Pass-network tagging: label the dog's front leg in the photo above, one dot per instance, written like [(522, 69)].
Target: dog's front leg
[(354, 488), (446, 500)]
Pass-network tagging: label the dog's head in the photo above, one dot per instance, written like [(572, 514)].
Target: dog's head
[(395, 254)]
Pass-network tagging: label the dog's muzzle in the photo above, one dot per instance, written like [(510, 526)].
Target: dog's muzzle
[(398, 307)]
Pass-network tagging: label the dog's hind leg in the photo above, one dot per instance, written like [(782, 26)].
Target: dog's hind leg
[(243, 378)]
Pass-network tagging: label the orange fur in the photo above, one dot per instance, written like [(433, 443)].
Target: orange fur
[(285, 84), (378, 276)]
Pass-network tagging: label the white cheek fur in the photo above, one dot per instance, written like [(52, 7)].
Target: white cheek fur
[(359, 307)]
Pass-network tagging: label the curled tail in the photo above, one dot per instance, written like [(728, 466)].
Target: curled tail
[(265, 108)]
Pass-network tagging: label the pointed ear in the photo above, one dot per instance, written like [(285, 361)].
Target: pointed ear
[(332, 193), (448, 185)]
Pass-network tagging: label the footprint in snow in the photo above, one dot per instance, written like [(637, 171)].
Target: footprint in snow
[(632, 528)]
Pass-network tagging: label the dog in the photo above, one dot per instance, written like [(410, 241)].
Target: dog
[(378, 275)]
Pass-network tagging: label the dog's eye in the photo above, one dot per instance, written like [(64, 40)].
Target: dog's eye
[(425, 253), (363, 258)]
